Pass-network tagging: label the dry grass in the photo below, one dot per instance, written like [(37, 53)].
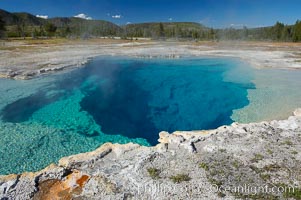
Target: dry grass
[(21, 43), (249, 45)]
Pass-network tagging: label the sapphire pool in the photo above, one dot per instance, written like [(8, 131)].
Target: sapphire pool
[(117, 100)]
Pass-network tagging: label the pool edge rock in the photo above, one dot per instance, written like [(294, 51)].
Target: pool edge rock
[(184, 165)]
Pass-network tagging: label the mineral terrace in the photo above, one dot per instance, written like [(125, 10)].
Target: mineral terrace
[(184, 165)]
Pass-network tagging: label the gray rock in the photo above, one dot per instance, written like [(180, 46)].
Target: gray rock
[(185, 165)]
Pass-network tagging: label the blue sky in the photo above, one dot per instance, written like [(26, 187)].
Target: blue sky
[(213, 13)]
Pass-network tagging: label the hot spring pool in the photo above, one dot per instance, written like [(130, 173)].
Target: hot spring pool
[(116, 100)]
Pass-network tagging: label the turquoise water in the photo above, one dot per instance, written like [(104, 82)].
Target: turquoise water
[(115, 100)]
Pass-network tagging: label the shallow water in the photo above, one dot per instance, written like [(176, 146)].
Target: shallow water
[(115, 100), (276, 96)]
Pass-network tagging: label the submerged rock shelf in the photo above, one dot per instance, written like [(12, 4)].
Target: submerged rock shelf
[(257, 155)]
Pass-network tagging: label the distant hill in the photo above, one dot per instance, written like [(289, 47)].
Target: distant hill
[(7, 17), (168, 25), (79, 26), (27, 19), (25, 24)]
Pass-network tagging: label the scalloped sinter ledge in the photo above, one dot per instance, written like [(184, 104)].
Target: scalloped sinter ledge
[(256, 154)]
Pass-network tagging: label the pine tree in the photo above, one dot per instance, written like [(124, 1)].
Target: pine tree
[(161, 30), (278, 31), (297, 32), (50, 29), (245, 33), (286, 34), (2, 28), (212, 34)]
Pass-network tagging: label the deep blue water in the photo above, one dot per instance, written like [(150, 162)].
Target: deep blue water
[(139, 98)]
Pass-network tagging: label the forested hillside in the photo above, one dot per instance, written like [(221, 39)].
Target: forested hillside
[(27, 25), (168, 30), (278, 32)]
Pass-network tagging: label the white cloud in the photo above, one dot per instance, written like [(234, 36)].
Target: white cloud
[(42, 16), (170, 19), (116, 16), (236, 24), (83, 16), (128, 23)]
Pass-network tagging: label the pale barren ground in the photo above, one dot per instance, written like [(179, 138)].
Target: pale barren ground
[(22, 59)]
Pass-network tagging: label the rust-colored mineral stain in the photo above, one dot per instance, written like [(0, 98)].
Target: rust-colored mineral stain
[(62, 189), (52, 189), (82, 180), (64, 194), (77, 191)]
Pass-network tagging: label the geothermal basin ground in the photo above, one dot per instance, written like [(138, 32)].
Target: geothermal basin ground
[(81, 94)]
